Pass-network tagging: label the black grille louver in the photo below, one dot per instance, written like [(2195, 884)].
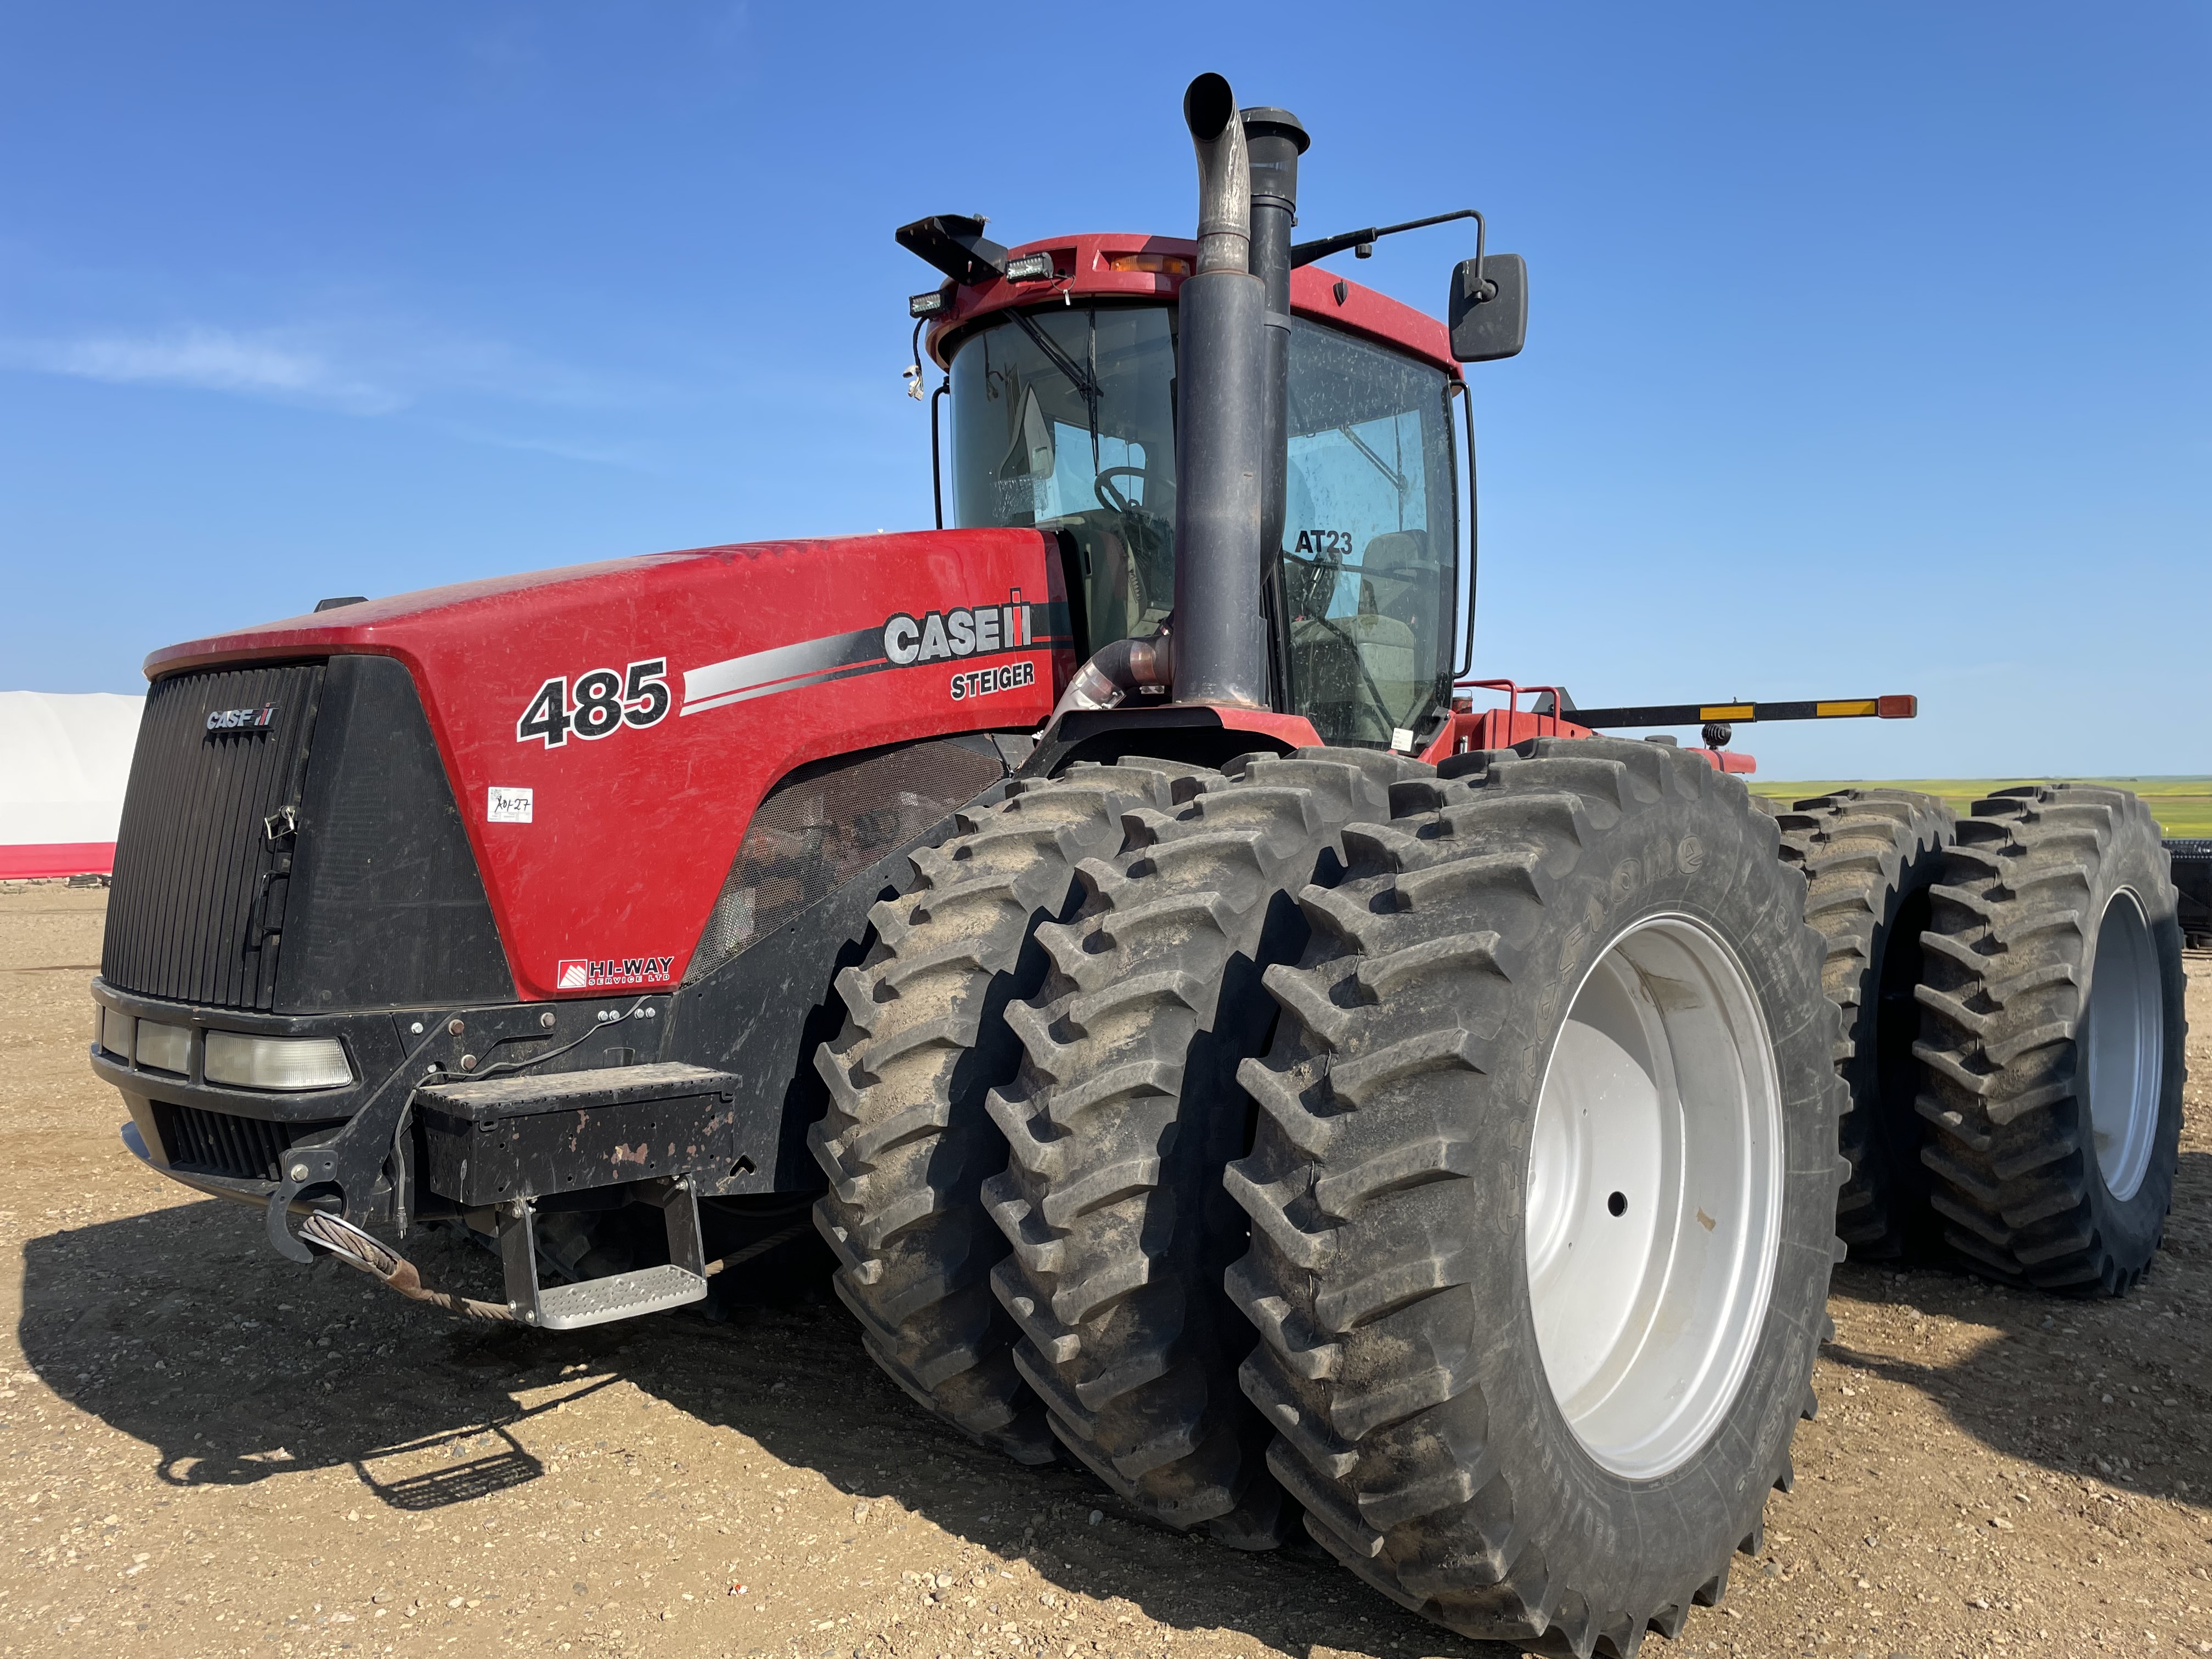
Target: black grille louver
[(221, 1144), (197, 908)]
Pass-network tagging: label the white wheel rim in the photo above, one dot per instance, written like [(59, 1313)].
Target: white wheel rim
[(2124, 1046), (1654, 1197)]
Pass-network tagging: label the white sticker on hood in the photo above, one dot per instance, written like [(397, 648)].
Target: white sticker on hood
[(507, 805)]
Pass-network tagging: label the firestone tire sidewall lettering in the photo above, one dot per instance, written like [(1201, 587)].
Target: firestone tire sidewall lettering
[(1640, 1544), (2134, 863)]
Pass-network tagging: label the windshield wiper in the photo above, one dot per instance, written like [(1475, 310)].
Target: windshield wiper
[(1398, 479), (1085, 385)]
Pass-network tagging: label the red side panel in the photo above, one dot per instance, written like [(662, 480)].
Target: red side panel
[(1732, 760), (1497, 728), (612, 843), (1295, 730), (1501, 728)]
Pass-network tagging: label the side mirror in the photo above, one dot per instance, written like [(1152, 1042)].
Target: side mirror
[(1493, 322)]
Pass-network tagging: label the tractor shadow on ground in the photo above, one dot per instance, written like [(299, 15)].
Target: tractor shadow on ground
[(180, 1328), (2038, 1388)]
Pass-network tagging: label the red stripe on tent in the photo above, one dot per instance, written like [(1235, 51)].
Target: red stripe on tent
[(28, 860)]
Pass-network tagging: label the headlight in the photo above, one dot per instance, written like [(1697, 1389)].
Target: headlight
[(115, 1033), (270, 1062), (165, 1048)]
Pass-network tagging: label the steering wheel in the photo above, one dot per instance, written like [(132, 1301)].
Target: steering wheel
[(1110, 497)]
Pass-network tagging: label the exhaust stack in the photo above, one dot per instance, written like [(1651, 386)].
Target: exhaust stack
[(1220, 629)]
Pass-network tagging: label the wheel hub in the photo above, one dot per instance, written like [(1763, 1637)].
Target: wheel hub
[(2123, 1045), (1653, 1198)]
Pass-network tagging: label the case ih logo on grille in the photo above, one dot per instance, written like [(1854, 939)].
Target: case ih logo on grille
[(579, 975), (241, 720)]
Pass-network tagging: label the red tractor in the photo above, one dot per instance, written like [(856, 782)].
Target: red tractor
[(1211, 1053)]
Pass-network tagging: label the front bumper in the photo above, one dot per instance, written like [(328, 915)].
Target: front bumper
[(363, 1149)]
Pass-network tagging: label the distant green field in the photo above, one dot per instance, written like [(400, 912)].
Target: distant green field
[(2183, 806)]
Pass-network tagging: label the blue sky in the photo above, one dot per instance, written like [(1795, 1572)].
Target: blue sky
[(1870, 347)]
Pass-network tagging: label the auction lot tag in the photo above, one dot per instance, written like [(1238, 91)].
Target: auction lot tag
[(507, 805)]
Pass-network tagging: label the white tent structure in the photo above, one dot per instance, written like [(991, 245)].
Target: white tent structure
[(63, 763)]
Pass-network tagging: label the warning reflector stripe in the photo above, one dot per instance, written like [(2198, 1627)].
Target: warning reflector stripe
[(1693, 713)]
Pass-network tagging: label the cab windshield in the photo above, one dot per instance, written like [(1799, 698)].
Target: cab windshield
[(1064, 419)]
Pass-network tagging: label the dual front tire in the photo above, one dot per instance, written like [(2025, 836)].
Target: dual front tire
[(1527, 1084), (1542, 1196)]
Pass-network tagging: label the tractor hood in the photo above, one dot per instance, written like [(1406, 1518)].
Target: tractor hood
[(607, 730)]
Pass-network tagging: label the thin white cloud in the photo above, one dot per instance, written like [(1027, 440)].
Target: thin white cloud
[(630, 457), (272, 365), (358, 368)]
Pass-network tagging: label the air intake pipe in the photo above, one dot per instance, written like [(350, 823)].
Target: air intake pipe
[(1220, 653), (1275, 139)]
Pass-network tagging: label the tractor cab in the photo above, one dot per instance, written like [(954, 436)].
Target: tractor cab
[(1063, 392)]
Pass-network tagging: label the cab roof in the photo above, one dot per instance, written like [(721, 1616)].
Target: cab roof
[(1129, 266)]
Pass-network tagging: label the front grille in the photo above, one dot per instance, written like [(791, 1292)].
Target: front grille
[(202, 860), (217, 1143)]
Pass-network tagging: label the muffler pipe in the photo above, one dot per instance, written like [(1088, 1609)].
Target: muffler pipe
[(1220, 632), (1224, 176)]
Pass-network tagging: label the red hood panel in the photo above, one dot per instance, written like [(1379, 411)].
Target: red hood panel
[(773, 655)]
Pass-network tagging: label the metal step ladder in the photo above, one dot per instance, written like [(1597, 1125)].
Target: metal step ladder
[(617, 1296)]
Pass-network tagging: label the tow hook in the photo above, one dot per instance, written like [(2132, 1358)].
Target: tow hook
[(364, 1250)]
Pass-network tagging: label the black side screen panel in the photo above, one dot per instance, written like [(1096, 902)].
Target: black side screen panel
[(826, 823), (387, 907), (200, 869)]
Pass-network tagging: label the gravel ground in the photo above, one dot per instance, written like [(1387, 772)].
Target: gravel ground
[(208, 1450)]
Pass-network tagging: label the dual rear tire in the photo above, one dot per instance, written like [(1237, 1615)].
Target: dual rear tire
[(2051, 1044), (1869, 858), (2012, 1037)]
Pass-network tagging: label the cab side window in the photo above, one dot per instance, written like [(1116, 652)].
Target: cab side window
[(1369, 555)]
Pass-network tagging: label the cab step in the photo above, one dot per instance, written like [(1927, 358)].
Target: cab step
[(680, 1281)]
